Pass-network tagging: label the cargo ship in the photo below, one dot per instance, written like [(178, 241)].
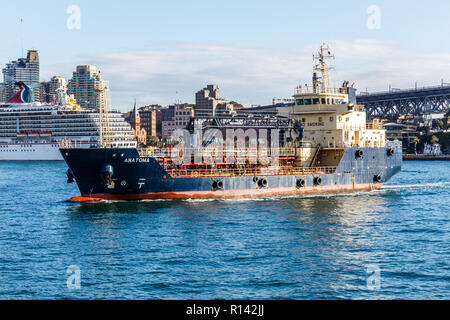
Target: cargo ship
[(319, 144)]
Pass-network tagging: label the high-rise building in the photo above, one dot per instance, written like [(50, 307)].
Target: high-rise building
[(2, 93), (55, 90), (52, 91), (209, 103), (88, 88), (25, 70)]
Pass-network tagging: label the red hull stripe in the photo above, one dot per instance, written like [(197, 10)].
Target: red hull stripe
[(230, 194)]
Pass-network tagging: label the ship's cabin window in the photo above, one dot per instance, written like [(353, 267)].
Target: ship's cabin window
[(331, 119), (320, 119), (315, 101), (300, 102), (323, 101), (307, 101)]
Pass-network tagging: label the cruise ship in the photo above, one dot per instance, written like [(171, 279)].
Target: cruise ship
[(33, 131), (328, 148)]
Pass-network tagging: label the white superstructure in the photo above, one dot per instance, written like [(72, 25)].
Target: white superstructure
[(328, 118), (33, 131)]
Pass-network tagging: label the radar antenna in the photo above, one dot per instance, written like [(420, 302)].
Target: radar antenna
[(322, 82)]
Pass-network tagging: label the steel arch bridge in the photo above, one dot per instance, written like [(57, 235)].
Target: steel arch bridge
[(421, 101)]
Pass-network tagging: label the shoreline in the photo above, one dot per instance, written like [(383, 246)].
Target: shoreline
[(428, 157)]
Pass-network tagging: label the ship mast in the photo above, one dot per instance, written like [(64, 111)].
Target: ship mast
[(323, 82)]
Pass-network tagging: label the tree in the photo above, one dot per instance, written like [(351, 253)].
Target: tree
[(434, 139), (152, 141), (416, 140), (447, 115), (236, 104)]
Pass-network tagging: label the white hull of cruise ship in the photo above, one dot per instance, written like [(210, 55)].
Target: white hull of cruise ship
[(33, 131), (32, 151)]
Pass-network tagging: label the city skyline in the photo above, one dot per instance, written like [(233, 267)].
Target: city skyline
[(254, 52)]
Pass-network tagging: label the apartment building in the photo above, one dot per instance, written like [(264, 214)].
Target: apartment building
[(175, 117), (88, 88)]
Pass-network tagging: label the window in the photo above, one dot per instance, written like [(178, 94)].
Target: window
[(300, 102), (303, 120), (331, 119), (307, 101), (320, 119), (316, 101), (323, 101)]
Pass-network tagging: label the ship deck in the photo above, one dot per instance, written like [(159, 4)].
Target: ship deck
[(227, 172), (245, 163)]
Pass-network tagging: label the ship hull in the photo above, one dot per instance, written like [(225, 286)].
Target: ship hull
[(30, 152), (137, 178), (230, 194), (33, 151)]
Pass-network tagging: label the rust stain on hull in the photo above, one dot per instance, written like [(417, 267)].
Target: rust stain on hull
[(229, 194)]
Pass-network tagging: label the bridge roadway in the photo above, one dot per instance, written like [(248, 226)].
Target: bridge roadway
[(420, 101)]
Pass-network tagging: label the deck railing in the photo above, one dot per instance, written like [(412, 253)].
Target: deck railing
[(216, 172), (312, 90), (358, 127), (65, 144)]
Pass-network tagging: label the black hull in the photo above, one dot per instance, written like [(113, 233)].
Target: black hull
[(137, 178)]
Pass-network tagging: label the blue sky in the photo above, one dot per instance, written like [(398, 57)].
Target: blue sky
[(160, 51)]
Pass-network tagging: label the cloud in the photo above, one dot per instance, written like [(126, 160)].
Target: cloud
[(252, 75), (377, 64)]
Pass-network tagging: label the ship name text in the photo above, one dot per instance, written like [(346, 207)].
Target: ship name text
[(134, 160)]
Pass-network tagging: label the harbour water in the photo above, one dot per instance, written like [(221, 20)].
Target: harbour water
[(314, 247)]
